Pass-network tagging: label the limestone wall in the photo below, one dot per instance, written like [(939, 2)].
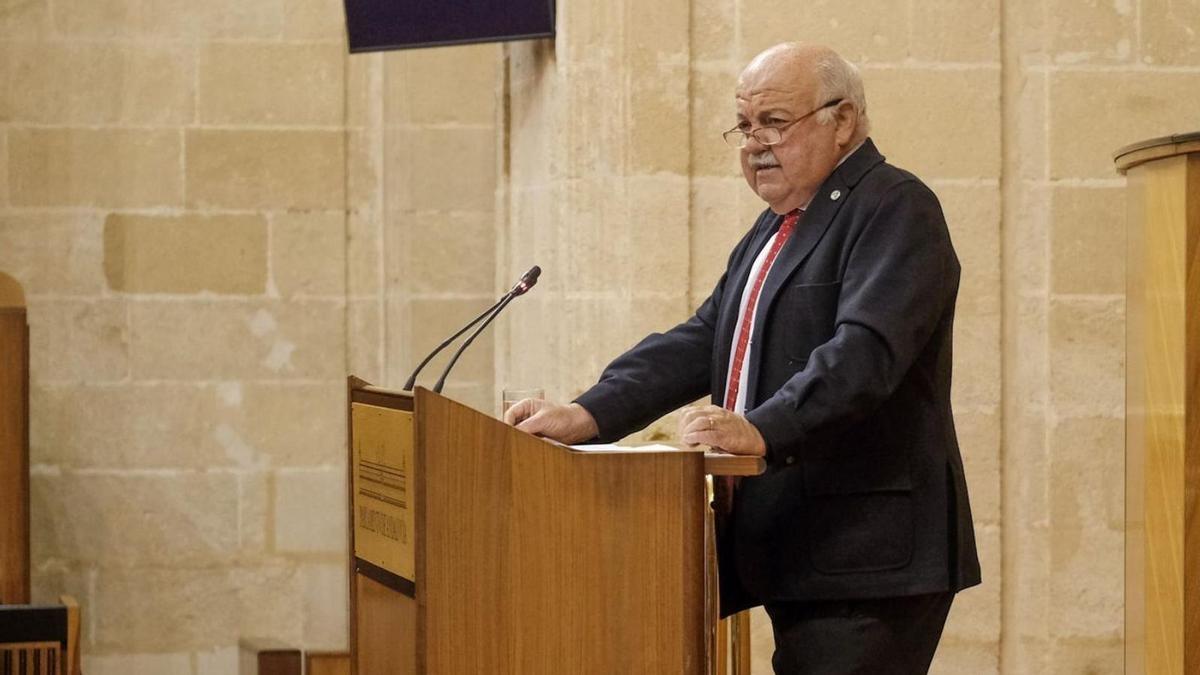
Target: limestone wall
[(173, 196), (217, 214), (434, 130)]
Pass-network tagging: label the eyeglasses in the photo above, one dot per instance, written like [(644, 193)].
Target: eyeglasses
[(738, 138)]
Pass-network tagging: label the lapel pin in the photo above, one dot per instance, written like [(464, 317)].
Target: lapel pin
[(835, 195)]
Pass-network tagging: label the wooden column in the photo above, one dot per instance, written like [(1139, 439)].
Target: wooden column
[(14, 444), (1162, 539)]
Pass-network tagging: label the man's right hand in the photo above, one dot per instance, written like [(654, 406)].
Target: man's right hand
[(563, 423)]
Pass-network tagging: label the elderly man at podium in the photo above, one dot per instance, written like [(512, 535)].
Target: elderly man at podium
[(826, 349)]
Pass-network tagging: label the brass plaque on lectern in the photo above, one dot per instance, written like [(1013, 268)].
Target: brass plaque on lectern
[(384, 522)]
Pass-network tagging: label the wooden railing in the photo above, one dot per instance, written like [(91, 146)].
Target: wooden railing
[(40, 640), (19, 658)]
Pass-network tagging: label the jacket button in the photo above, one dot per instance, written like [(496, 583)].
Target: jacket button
[(790, 460)]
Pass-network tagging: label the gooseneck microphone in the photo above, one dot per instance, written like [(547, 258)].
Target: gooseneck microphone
[(412, 379), (526, 282)]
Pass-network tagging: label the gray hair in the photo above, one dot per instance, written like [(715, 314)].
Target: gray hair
[(840, 79)]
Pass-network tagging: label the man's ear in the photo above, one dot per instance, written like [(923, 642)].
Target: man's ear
[(846, 116)]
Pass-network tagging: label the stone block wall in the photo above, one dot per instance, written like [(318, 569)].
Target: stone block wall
[(1079, 81), (173, 197), (595, 190), (218, 214), (422, 232)]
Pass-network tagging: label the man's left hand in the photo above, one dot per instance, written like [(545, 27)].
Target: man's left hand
[(724, 430)]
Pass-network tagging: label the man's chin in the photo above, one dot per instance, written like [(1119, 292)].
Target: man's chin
[(767, 193), (775, 199)]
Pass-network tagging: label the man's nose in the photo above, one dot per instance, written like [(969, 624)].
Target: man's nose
[(753, 145)]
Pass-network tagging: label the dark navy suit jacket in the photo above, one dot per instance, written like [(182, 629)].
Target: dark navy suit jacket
[(849, 383)]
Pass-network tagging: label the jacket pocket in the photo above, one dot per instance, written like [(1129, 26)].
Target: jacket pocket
[(860, 510), (808, 315)]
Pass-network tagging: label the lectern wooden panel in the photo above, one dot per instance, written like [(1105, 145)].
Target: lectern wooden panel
[(530, 557), (1162, 584), (383, 602)]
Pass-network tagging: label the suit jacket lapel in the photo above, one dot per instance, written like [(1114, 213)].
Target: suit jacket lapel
[(821, 211)]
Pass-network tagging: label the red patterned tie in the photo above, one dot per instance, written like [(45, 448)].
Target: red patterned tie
[(747, 326), (725, 484)]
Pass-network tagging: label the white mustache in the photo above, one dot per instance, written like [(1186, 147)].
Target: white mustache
[(763, 160)]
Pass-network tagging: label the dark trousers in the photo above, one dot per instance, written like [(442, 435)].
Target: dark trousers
[(886, 636)]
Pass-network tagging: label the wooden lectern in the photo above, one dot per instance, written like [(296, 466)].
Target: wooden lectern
[(1162, 468), (476, 548)]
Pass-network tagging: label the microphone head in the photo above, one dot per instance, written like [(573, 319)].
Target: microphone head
[(527, 281)]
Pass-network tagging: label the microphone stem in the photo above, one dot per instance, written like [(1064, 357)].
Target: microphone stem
[(499, 307), (412, 380)]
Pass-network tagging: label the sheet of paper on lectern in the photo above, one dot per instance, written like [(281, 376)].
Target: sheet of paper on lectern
[(613, 447)]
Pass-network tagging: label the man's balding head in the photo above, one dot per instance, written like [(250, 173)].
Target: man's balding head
[(778, 88), (792, 59), (819, 69)]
